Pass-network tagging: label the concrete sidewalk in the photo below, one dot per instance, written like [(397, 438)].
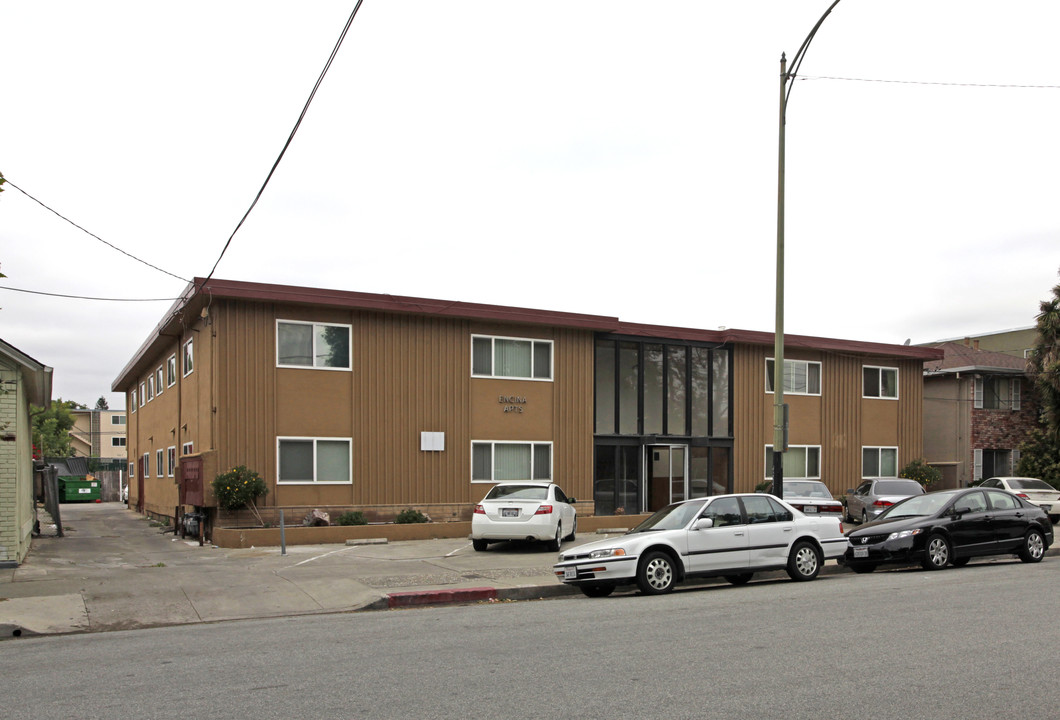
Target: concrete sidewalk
[(116, 570)]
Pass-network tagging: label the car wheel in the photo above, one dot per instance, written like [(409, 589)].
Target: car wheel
[(804, 562), (960, 562), (936, 553), (864, 517), (863, 568), (574, 530), (741, 579), (598, 590), (656, 574), (479, 545), (554, 544), (1033, 547)]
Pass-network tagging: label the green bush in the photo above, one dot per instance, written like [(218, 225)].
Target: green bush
[(406, 517), (354, 517), (238, 488), (923, 473)]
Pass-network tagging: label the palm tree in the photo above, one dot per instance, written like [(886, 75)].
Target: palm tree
[(1044, 363)]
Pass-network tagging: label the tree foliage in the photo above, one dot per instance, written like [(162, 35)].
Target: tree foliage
[(238, 488), (101, 404), (51, 427), (1045, 363), (1040, 458), (923, 473)]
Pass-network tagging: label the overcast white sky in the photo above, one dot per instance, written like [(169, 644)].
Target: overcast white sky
[(605, 157)]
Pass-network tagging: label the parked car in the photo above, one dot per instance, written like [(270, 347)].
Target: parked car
[(524, 511), (733, 536), (872, 497), (951, 527), (811, 496), (1037, 492)]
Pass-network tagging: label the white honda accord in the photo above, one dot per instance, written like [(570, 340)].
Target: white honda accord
[(733, 536), (524, 511)]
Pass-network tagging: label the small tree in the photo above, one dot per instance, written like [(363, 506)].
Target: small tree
[(52, 426), (923, 473), (239, 488), (101, 404)]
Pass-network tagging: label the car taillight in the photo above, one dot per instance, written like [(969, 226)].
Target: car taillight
[(840, 527), (479, 510), (544, 510), (1023, 495), (882, 503)]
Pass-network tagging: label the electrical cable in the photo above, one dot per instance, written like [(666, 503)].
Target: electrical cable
[(97, 237), (925, 82), (83, 297), (290, 138)]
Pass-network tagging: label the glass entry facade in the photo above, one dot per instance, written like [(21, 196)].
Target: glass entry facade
[(663, 425)]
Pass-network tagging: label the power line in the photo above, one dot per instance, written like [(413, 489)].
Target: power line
[(83, 297), (290, 138), (97, 237), (925, 82)]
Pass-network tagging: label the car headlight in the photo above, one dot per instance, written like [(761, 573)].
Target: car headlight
[(608, 552), (904, 534)]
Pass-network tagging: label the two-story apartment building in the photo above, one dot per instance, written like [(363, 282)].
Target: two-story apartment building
[(353, 400), (98, 434)]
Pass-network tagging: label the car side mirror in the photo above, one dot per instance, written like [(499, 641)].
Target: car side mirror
[(962, 509), (571, 501), (703, 524), (850, 491)]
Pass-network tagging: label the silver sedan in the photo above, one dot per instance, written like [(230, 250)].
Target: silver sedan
[(872, 497)]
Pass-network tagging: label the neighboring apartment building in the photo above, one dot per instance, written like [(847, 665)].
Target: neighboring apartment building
[(23, 381), (979, 407), (98, 434), (1017, 342), (352, 400)]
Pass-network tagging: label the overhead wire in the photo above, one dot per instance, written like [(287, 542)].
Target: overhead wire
[(85, 297), (926, 82)]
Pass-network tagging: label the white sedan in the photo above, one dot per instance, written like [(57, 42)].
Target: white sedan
[(1035, 491), (524, 511), (729, 535)]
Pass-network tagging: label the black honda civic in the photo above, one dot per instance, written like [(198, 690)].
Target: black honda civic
[(950, 527)]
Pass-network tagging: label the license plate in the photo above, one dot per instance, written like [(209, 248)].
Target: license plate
[(509, 512), (861, 552), (809, 508), (570, 573)]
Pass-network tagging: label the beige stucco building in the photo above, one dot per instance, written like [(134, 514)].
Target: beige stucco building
[(99, 434)]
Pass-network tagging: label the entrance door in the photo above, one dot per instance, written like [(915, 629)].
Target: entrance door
[(667, 475)]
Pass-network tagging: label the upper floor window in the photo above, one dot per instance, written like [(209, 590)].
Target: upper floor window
[(117, 419), (879, 462), (132, 400), (879, 382), (117, 442), (511, 358), (997, 393), (150, 388), (158, 380), (189, 357), (143, 394), (315, 345), (801, 377), (800, 461), (171, 371)]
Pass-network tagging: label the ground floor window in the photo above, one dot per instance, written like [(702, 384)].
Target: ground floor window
[(993, 463), (800, 461), (171, 460), (879, 462), (501, 461), (314, 460)]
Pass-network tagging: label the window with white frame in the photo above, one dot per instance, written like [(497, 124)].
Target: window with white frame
[(150, 388), (159, 376), (117, 442), (507, 357), (132, 400), (158, 463), (325, 346), (800, 461), (143, 393), (997, 393), (801, 377), (500, 461), (189, 357), (187, 448), (147, 464), (117, 419), (879, 462), (171, 371), (171, 460), (879, 382), (132, 470), (314, 460)]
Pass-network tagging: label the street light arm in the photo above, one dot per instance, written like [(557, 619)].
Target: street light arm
[(796, 60)]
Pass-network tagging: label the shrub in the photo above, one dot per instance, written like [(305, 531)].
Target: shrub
[(354, 517), (409, 516), (239, 488), (923, 473)]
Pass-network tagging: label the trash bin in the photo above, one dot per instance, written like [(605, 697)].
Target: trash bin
[(79, 489)]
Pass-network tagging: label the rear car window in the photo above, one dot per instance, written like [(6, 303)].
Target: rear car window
[(898, 487), (1029, 484), (517, 492)]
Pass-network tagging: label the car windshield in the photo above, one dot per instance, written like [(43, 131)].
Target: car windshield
[(804, 488), (898, 487), (1029, 484), (917, 506), (671, 517), (518, 492)]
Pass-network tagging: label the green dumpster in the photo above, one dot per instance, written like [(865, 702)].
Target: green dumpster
[(79, 489)]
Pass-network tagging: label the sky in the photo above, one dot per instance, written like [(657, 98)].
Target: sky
[(604, 157)]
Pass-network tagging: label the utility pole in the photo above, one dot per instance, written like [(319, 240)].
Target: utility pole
[(780, 414)]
